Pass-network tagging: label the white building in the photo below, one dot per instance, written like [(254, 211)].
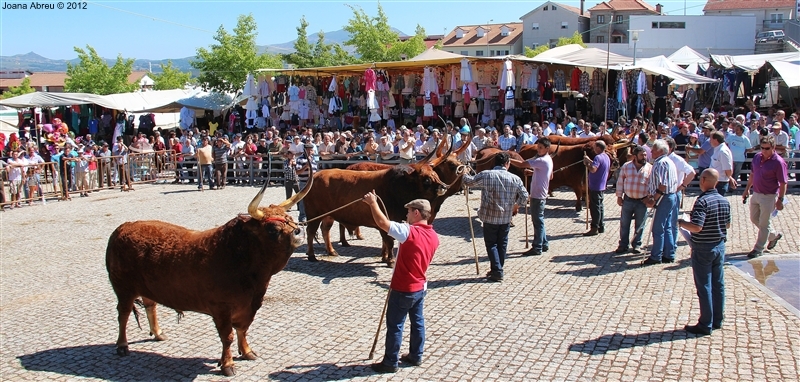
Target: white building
[(769, 14), (664, 34), (549, 21)]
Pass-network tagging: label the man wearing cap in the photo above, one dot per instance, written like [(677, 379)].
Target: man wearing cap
[(306, 166), (706, 150), (781, 139), (768, 182), (503, 193), (407, 290), (468, 155)]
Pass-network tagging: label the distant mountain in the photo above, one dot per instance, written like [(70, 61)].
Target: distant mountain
[(36, 63)]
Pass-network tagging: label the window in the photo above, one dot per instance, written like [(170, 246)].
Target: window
[(601, 19), (459, 33), (672, 25), (502, 53), (504, 31), (564, 25), (481, 32), (491, 52), (554, 8), (776, 18), (545, 7), (534, 45), (601, 39), (619, 19), (464, 53), (535, 26), (616, 39), (479, 53), (655, 25)]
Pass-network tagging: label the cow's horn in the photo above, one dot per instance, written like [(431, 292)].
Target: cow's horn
[(432, 153), (289, 203), (464, 145), (252, 209), (618, 146), (441, 158)]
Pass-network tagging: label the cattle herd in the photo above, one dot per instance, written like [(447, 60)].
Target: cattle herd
[(154, 262)]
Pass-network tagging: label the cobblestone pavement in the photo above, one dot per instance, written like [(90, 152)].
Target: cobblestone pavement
[(579, 312)]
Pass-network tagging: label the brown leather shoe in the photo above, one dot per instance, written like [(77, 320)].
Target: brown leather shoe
[(592, 232)]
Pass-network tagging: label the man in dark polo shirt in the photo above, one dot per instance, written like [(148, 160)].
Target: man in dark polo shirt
[(710, 219), (418, 242)]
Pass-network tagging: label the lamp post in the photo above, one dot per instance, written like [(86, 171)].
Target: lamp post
[(487, 36), (635, 38)]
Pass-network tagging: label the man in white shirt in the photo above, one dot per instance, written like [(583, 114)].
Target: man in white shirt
[(480, 139), (385, 148), (722, 161), (406, 147), (587, 130)]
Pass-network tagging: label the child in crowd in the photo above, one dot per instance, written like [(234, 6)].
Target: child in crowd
[(691, 156), (82, 174), (32, 184)]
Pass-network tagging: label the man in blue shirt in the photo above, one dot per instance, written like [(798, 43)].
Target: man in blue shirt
[(710, 219), (598, 176)]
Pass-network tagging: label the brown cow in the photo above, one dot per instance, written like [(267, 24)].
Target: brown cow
[(223, 272), (396, 186), (449, 169)]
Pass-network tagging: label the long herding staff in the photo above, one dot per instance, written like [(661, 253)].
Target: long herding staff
[(527, 214), (472, 232), (650, 232), (587, 197), (380, 324)]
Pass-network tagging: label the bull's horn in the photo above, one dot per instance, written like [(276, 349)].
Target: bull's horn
[(252, 208), (432, 153), (288, 203), (620, 145), (442, 158), (464, 145)]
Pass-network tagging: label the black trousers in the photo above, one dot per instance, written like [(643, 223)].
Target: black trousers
[(596, 209), (660, 110)]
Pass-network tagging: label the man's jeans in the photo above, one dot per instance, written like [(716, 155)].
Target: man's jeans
[(663, 242), (300, 205), (205, 176), (495, 237), (537, 217), (636, 210), (722, 188), (709, 279), (596, 209), (399, 305)]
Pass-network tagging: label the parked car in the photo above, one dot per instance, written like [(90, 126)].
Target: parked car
[(769, 36)]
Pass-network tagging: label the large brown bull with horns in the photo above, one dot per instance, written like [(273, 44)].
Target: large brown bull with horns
[(223, 272), (567, 154), (448, 169), (395, 185)]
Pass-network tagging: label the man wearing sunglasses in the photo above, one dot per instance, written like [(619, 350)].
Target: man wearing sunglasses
[(768, 181)]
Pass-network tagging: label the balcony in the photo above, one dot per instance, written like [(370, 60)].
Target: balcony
[(769, 25)]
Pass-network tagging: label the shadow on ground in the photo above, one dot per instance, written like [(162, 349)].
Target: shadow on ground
[(617, 341), (322, 372), (101, 362), (597, 265), (327, 270)]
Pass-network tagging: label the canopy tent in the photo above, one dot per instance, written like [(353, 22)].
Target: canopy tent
[(789, 72), (687, 56), (661, 65), (141, 101), (559, 51), (200, 101), (44, 99), (588, 57), (752, 62), (435, 54)]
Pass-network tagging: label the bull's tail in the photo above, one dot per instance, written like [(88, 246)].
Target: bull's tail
[(180, 315), (139, 302)]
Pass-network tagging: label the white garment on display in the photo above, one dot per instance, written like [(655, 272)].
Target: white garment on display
[(372, 102), (466, 71), (641, 83), (332, 86), (186, 118)]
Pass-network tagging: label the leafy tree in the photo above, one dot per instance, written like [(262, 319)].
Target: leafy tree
[(574, 39), (375, 41), (170, 78), (319, 54), (93, 75), (225, 65), (23, 88)]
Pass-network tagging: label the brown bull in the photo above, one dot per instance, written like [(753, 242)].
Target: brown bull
[(448, 168), (223, 272), (395, 185), (567, 154)]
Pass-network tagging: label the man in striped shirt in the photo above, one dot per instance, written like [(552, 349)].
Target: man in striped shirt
[(662, 187), (632, 183), (710, 220), (502, 194), (507, 141)]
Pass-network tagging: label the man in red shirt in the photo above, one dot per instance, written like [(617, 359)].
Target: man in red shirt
[(418, 242)]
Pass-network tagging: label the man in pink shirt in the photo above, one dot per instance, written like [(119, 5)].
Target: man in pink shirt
[(418, 242)]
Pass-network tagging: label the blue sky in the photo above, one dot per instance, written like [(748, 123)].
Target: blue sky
[(175, 29)]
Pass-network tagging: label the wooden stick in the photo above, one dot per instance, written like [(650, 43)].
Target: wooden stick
[(587, 198), (472, 232), (527, 215), (380, 324)]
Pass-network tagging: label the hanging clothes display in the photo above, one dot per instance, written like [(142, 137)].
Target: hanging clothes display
[(466, 71), (584, 83), (598, 81), (575, 79)]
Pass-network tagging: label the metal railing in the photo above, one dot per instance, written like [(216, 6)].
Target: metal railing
[(791, 29)]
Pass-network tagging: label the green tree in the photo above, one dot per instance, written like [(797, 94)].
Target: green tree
[(170, 78), (375, 41), (225, 65), (574, 39), (23, 88), (93, 75), (319, 54)]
